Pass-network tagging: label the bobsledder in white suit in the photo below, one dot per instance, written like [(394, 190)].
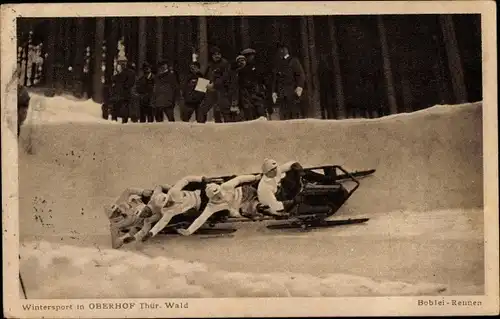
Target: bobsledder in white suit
[(240, 200), (270, 182), (177, 201), (128, 212)]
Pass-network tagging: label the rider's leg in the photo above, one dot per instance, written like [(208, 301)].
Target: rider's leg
[(250, 209), (148, 223), (129, 236)]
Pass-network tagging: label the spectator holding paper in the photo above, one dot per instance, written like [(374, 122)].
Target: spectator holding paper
[(194, 92), (217, 96)]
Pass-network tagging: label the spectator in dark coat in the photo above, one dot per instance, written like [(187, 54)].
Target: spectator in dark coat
[(144, 89), (252, 87), (23, 102), (235, 113), (217, 97), (288, 84), (164, 93), (192, 98), (123, 82), (174, 78)]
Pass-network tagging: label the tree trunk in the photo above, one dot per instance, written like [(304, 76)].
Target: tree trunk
[(438, 71), (231, 35), (142, 42), (391, 93), (64, 74), (315, 108), (203, 43), (159, 39), (454, 60), (51, 52), (112, 38), (406, 87), (79, 57), (129, 33), (245, 33), (183, 51), (276, 31), (307, 64), (339, 90), (187, 44), (97, 72), (171, 38)]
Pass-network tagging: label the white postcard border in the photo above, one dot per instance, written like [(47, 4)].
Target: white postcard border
[(241, 307)]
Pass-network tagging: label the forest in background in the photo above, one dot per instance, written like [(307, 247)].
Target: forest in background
[(356, 66)]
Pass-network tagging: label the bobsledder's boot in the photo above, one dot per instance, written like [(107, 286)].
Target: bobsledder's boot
[(183, 232), (141, 235), (147, 236), (125, 239)]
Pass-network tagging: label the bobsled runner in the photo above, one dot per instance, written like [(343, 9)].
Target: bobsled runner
[(319, 192)]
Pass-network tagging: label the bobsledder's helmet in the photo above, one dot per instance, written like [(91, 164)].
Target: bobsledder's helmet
[(139, 211), (134, 199), (146, 212), (269, 165), (212, 190)]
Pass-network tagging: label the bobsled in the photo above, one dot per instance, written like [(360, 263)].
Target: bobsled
[(318, 192)]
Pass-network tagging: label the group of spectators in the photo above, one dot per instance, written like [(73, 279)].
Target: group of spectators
[(237, 90)]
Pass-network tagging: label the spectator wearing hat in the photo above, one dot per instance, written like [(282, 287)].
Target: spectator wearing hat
[(234, 91), (192, 98), (288, 84), (163, 93), (217, 97), (144, 89), (123, 82), (252, 88), (174, 80)]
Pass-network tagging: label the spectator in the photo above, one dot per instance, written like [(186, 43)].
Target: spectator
[(235, 88), (163, 93), (192, 98), (144, 91), (252, 88), (217, 97), (287, 85), (123, 83), (174, 80)]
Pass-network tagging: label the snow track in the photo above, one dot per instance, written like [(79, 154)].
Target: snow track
[(425, 235)]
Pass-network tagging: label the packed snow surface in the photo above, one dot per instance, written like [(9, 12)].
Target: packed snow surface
[(425, 204)]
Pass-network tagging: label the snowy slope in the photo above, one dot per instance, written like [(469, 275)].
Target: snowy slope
[(425, 201)]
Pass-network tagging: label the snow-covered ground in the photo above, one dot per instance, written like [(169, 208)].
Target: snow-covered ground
[(425, 235)]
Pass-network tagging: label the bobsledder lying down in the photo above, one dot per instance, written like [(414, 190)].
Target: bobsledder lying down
[(319, 192)]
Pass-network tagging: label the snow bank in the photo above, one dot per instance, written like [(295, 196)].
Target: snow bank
[(63, 109), (68, 109), (71, 272)]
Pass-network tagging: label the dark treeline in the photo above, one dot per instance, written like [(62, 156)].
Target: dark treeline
[(356, 66)]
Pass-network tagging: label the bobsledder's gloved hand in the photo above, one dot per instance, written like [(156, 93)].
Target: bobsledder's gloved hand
[(288, 204), (147, 193), (262, 209)]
